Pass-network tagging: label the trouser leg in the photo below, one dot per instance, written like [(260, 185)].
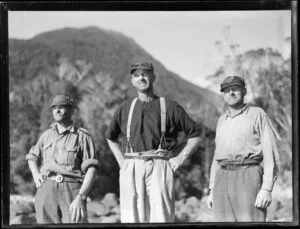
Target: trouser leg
[(235, 193), (67, 193), (161, 192), (47, 204), (245, 185), (222, 208), (146, 191), (129, 209)]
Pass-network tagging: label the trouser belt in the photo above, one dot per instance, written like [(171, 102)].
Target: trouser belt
[(61, 178), (237, 164), (148, 155), (233, 167)]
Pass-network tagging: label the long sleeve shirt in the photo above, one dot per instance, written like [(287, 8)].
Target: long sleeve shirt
[(145, 126), (70, 152), (250, 135)]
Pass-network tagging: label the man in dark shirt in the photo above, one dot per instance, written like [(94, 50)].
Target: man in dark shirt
[(151, 125)]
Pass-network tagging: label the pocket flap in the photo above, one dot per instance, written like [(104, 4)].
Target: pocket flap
[(48, 145)]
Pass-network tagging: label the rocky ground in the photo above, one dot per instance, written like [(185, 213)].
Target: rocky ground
[(187, 210)]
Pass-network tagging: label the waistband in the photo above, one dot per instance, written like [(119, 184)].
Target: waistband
[(62, 178), (237, 164), (147, 155), (236, 167)]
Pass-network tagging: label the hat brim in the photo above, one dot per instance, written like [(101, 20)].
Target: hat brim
[(60, 104), (140, 68), (232, 84)]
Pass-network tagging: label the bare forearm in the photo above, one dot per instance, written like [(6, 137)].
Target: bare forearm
[(36, 174), (33, 167), (191, 145), (88, 181), (115, 148)]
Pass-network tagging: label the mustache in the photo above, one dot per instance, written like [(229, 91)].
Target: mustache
[(61, 115)]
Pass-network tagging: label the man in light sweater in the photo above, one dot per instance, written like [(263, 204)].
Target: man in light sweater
[(246, 160)]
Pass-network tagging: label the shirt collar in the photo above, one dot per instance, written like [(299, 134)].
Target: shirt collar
[(60, 129), (245, 108)]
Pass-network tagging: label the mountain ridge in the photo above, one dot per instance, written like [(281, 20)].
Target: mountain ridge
[(92, 66), (74, 45)]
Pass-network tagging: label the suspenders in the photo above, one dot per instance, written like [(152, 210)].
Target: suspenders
[(163, 121), (129, 117), (162, 125)]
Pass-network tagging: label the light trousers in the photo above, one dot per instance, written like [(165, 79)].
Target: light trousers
[(147, 191), (235, 193)]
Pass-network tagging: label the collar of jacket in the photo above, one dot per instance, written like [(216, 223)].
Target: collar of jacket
[(70, 128), (244, 109)]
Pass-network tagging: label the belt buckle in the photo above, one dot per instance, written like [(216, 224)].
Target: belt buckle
[(59, 178), (145, 158), (231, 167)]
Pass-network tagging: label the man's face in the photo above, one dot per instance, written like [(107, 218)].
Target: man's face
[(62, 113), (142, 80), (234, 95)]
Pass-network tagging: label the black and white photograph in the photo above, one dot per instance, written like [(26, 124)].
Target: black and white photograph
[(140, 114)]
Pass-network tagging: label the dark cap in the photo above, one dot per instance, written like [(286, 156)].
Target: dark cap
[(232, 80), (62, 100), (141, 65)]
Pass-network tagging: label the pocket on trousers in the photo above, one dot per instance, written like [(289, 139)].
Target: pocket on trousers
[(122, 164), (170, 167), (74, 186), (257, 175), (218, 176), (260, 170), (122, 177)]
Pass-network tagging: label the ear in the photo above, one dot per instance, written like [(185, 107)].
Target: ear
[(72, 109), (244, 90), (223, 94), (153, 77)]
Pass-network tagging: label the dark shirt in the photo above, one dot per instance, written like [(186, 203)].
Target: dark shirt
[(145, 129)]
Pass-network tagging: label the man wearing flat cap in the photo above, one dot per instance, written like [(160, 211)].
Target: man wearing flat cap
[(147, 165), (246, 161), (63, 164)]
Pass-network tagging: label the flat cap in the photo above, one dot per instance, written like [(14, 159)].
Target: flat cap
[(232, 80), (145, 65), (62, 100)]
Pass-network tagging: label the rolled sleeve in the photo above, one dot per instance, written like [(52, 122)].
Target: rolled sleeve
[(89, 154), (33, 154), (88, 163)]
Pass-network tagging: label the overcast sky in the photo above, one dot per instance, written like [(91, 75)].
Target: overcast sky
[(183, 41)]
